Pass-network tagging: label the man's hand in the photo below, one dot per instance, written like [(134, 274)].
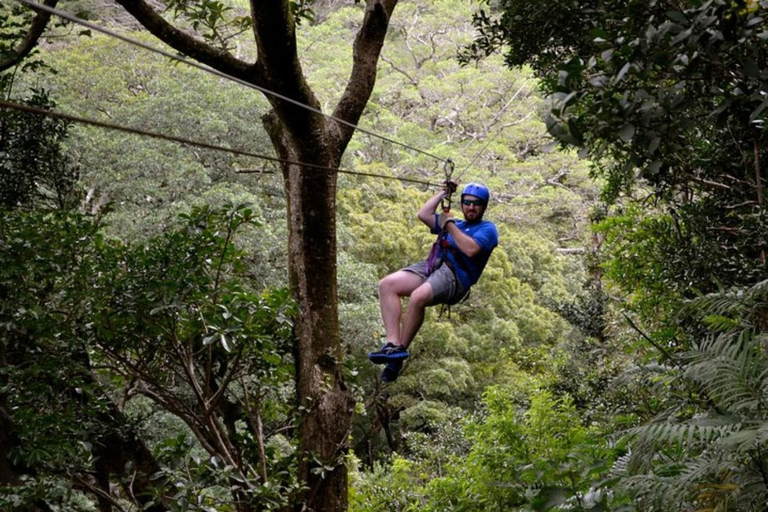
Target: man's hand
[(449, 187), (443, 219)]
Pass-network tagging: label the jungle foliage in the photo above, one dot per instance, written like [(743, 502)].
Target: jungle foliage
[(612, 357), (667, 99)]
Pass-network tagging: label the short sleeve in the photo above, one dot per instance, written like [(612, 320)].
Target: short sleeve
[(486, 236)]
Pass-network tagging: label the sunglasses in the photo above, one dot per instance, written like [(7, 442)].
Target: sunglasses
[(473, 202)]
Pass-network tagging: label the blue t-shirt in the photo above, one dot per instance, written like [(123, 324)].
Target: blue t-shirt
[(468, 269)]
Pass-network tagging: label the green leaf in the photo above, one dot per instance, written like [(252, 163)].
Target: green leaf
[(623, 72), (550, 497), (225, 343), (677, 16), (627, 132)]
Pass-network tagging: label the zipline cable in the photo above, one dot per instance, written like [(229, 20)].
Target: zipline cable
[(488, 142), (79, 21), (100, 124)]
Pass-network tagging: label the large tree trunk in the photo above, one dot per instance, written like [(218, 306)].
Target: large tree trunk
[(305, 137), (312, 272), (328, 403)]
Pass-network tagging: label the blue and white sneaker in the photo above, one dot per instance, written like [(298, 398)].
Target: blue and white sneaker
[(387, 353), (392, 371)]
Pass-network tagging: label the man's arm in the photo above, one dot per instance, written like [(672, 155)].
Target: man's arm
[(464, 242), (427, 212)]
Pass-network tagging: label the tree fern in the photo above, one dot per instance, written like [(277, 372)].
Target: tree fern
[(710, 450)]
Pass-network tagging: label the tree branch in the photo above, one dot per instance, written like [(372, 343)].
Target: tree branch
[(188, 45), (86, 485), (412, 80), (25, 47), (671, 358), (275, 32), (366, 51)]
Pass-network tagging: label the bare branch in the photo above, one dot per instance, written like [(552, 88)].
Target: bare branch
[(412, 80), (433, 46), (710, 183), (741, 205)]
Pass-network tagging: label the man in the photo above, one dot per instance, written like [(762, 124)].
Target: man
[(466, 246)]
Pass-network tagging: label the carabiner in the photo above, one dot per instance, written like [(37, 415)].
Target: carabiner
[(448, 167)]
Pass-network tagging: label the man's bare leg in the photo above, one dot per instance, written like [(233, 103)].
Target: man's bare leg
[(391, 289), (421, 297)]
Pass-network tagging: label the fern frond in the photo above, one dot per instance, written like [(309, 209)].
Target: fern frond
[(758, 292), (714, 461), (620, 466), (732, 368), (722, 304), (719, 323), (750, 437), (744, 303), (698, 430)]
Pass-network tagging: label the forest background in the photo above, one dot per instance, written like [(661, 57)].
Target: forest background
[(611, 357)]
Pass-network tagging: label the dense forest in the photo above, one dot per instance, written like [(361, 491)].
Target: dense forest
[(184, 324)]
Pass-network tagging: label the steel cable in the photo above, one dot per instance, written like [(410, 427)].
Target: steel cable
[(110, 126), (74, 19)]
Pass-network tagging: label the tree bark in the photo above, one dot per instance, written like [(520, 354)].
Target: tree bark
[(302, 136), (121, 448), (759, 187)]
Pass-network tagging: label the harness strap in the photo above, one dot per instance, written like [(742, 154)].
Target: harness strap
[(447, 307)]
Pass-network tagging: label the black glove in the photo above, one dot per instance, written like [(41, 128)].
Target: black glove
[(443, 219)]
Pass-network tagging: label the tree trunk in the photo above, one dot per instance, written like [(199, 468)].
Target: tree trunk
[(327, 402), (305, 137)]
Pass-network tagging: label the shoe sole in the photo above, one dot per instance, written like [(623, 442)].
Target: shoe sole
[(386, 358)]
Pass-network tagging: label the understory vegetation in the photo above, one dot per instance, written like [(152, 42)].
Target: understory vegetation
[(612, 356)]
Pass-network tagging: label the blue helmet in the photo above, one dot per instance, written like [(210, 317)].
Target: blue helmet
[(478, 190)]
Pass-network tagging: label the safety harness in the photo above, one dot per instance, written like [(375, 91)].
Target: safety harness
[(436, 254)]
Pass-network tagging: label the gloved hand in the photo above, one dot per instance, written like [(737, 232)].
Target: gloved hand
[(449, 187), (443, 219)]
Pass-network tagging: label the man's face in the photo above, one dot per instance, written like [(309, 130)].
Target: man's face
[(473, 208)]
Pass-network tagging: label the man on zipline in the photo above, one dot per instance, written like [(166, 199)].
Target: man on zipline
[(455, 264)]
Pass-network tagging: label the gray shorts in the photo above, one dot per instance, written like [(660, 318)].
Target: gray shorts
[(446, 288)]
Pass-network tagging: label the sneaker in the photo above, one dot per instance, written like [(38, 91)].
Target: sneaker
[(392, 371), (387, 353)]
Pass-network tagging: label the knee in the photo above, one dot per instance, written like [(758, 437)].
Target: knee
[(386, 285)]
